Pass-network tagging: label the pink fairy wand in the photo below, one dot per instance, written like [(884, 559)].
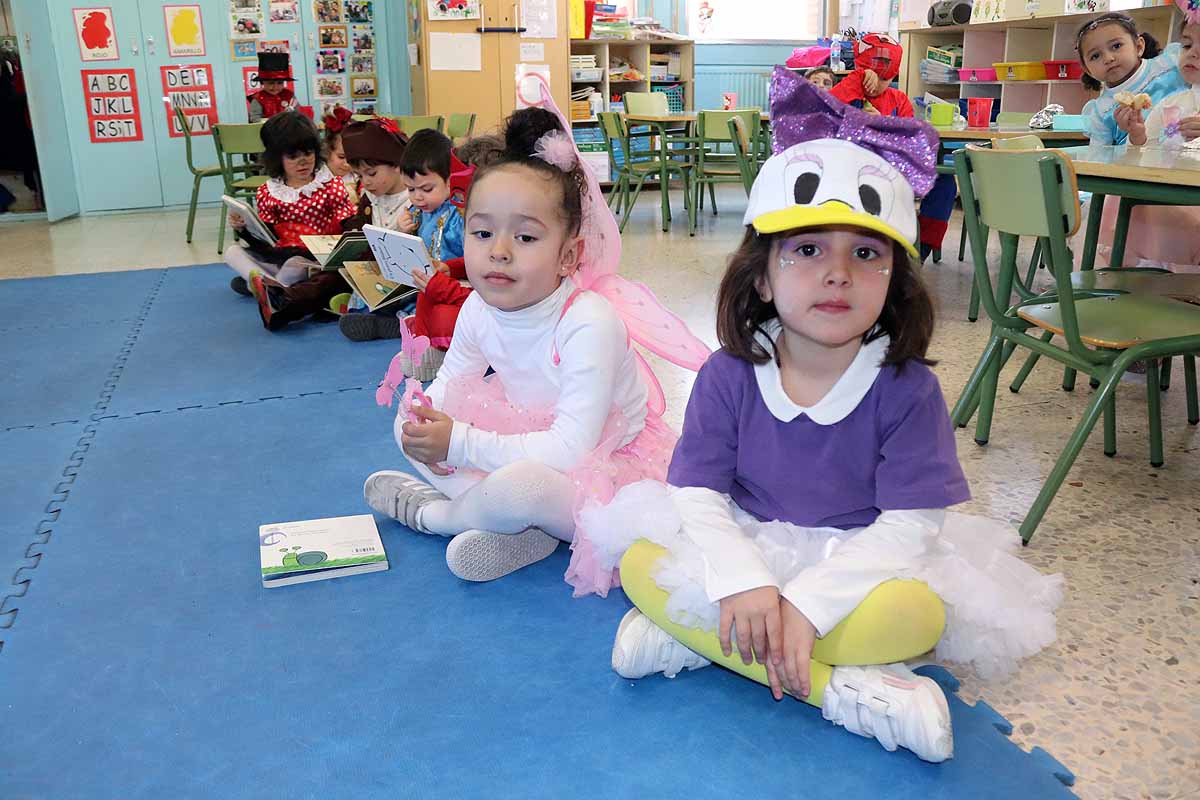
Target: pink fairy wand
[(414, 348)]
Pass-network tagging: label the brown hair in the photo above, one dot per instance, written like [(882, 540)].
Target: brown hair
[(907, 315), (819, 70), (1112, 18)]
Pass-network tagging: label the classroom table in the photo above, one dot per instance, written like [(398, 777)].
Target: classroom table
[(668, 128), (1147, 174), (1050, 138)]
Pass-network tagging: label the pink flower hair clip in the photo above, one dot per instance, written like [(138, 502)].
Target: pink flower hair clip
[(557, 149)]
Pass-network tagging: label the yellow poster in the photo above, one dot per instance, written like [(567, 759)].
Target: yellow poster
[(185, 31)]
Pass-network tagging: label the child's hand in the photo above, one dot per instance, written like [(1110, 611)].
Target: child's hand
[(429, 441), (1189, 128), (1129, 119), (408, 221), (754, 613), (797, 640), (440, 266), (420, 280), (872, 85), (237, 222)]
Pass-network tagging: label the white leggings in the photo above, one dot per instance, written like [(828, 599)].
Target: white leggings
[(242, 261), (521, 495)]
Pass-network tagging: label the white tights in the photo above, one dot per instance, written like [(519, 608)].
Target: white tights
[(242, 261), (521, 495)]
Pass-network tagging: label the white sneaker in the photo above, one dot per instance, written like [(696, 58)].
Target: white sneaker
[(892, 704), (486, 556), (642, 648)]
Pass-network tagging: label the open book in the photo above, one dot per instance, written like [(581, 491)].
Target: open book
[(332, 252), (297, 552), (254, 225), (375, 290), (399, 254)]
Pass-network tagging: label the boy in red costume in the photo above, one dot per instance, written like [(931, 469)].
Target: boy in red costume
[(274, 72), (876, 65)]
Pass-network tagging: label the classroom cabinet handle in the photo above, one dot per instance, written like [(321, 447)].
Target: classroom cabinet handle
[(150, 45), (133, 46), (513, 29)]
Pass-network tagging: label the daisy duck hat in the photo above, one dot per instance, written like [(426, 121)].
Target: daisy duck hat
[(836, 165)]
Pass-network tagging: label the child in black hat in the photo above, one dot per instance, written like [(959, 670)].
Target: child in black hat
[(274, 72)]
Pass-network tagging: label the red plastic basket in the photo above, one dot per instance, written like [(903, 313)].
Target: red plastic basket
[(1063, 70)]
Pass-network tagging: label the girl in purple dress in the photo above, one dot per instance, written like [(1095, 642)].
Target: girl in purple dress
[(804, 520)]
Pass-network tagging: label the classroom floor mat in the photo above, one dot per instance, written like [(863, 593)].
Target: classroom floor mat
[(147, 660)]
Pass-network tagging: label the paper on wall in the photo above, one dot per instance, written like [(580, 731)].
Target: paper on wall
[(413, 59), (455, 51), (539, 18), (529, 88), (533, 51)]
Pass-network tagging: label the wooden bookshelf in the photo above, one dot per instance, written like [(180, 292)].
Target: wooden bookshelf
[(637, 53), (1028, 38)]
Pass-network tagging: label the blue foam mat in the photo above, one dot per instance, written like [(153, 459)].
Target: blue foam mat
[(204, 345), (149, 659), (37, 471), (74, 301)]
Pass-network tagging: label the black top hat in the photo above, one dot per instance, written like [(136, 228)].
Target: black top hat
[(274, 67)]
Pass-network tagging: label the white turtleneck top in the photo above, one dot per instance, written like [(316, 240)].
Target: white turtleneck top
[(596, 373)]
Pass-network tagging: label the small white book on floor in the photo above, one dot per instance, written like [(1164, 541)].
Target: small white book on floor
[(254, 225), (315, 549), (399, 255)]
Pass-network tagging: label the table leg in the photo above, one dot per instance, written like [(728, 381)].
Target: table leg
[(1093, 233), (1121, 234)]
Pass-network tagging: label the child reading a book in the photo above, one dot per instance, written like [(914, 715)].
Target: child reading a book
[(335, 153), (1159, 236), (301, 198), (274, 72), (804, 540), (572, 412)]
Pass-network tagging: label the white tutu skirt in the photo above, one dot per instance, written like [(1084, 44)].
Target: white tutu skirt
[(998, 608)]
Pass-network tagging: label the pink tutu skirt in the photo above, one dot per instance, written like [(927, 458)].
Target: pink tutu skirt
[(483, 403)]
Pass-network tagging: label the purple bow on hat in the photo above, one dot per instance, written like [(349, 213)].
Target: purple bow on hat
[(801, 113)]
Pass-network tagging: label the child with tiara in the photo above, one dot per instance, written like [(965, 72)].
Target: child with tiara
[(572, 411), (803, 522)]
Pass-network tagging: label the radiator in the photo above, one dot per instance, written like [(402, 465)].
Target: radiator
[(750, 83)]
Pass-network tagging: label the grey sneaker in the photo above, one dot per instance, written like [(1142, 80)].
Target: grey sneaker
[(400, 496), (365, 327), (484, 556)]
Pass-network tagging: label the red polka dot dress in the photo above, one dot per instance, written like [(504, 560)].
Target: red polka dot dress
[(311, 210)]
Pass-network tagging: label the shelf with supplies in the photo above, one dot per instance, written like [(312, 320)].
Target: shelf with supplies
[(656, 64), (1039, 38)]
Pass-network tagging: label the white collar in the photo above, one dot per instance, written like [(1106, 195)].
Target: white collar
[(839, 401), (288, 194)]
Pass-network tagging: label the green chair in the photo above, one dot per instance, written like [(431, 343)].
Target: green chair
[(652, 104), (410, 124), (743, 149), (1103, 333), (1013, 118), (233, 140), (460, 126), (628, 164), (198, 173), (714, 166)]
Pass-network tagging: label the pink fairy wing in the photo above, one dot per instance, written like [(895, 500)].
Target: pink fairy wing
[(650, 324), (656, 401), (391, 382)]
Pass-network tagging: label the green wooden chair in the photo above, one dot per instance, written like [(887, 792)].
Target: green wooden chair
[(713, 165), (743, 149), (460, 126), (628, 164), (410, 124), (234, 140), (1103, 333), (198, 173), (1013, 118)]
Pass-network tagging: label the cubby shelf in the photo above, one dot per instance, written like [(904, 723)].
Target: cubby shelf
[(637, 54)]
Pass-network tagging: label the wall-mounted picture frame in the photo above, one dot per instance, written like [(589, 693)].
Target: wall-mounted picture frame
[(331, 62), (243, 49), (362, 87), (333, 36), (329, 86)]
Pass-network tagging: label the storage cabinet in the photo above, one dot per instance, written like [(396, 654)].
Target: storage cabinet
[(640, 55)]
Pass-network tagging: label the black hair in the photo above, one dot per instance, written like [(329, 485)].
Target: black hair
[(427, 151), (522, 131), (289, 133), (1126, 22), (907, 315)]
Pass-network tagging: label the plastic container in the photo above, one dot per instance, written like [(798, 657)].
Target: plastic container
[(1068, 122), (1063, 70), (1020, 70), (950, 55), (979, 111), (972, 74), (587, 75)]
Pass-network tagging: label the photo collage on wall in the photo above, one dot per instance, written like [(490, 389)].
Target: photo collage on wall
[(345, 68)]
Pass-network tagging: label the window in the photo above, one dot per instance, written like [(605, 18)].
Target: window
[(754, 20)]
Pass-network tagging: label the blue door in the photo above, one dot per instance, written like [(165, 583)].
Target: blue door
[(108, 101)]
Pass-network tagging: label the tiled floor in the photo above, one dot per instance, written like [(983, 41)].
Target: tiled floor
[(1117, 699)]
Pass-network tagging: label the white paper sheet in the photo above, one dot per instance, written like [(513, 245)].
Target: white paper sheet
[(455, 51), (529, 88), (533, 51), (539, 18), (413, 58)]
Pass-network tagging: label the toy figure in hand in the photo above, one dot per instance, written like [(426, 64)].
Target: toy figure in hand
[(876, 64), (274, 73)]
